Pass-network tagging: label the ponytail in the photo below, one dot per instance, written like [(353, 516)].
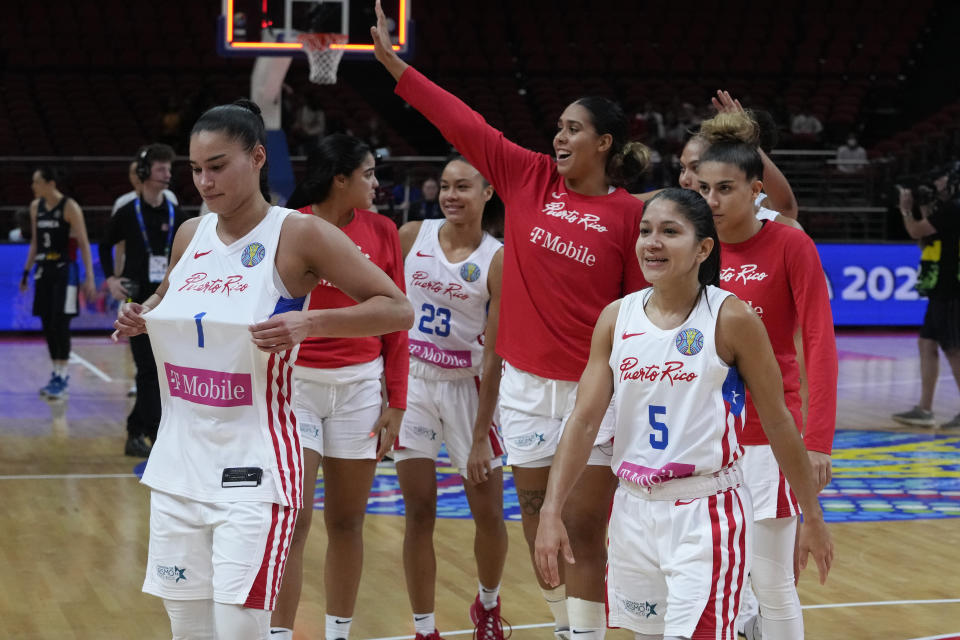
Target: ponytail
[(243, 122)]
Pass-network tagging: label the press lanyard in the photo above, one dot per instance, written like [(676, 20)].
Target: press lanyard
[(143, 228)]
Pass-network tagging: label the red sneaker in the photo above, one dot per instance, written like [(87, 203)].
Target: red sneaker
[(489, 624), (433, 636)]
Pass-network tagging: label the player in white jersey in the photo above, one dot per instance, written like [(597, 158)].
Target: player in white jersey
[(453, 274), (225, 471), (672, 356)]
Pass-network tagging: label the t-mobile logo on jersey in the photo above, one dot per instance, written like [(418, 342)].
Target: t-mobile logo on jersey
[(558, 209), (755, 307), (566, 248), (211, 388), (746, 273), (671, 371)]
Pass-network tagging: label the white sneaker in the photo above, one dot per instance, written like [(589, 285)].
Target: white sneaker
[(749, 607)]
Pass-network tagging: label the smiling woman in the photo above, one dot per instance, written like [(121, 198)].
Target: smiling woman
[(570, 231)]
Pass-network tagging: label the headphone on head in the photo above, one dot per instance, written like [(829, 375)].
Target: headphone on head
[(143, 165)]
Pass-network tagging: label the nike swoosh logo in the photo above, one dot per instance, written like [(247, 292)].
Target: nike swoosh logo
[(681, 503), (423, 255), (338, 621), (200, 253), (416, 619), (584, 631), (630, 335)]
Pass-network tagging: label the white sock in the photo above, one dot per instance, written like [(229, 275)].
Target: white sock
[(557, 601), (337, 627), (424, 623), (488, 597), (60, 370), (588, 619), (280, 633)]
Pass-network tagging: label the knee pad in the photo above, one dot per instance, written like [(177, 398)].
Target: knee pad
[(235, 622), (190, 619)]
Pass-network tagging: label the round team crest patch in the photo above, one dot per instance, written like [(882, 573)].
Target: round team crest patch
[(470, 272), (253, 254), (689, 342)]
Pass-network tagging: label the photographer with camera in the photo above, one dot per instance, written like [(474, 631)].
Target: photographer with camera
[(146, 226), (938, 230)]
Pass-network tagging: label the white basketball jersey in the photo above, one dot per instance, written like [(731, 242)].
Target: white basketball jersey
[(450, 302), (679, 407), (227, 431)]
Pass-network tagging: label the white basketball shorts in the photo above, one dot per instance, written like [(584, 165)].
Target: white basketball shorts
[(336, 418), (533, 413), (769, 489), (443, 411), (230, 552), (676, 567)]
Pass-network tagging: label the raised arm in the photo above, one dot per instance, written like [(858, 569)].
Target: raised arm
[(478, 463), (500, 161), (775, 184), (742, 342), (73, 214), (593, 399)]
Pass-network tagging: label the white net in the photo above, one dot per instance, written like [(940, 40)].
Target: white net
[(324, 61)]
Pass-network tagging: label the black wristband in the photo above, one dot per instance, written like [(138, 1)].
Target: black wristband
[(26, 274)]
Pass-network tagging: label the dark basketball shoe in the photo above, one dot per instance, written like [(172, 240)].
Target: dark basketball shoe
[(137, 447)]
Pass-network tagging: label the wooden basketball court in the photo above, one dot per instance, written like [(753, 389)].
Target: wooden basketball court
[(73, 538)]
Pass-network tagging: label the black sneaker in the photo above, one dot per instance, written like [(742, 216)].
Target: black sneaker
[(137, 447)]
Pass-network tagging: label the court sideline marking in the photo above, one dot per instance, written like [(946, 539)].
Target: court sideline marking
[(89, 365), (839, 605)]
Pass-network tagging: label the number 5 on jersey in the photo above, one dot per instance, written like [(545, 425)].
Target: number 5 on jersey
[(659, 439)]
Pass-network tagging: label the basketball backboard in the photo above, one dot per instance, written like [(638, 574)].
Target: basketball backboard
[(271, 27)]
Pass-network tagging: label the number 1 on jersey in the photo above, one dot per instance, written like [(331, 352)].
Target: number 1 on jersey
[(661, 429), (198, 318)]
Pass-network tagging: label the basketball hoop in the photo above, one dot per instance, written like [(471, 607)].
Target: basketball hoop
[(324, 61)]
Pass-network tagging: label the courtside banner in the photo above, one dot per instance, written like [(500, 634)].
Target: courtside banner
[(873, 284), (870, 285)]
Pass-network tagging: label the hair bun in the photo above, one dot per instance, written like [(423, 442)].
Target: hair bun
[(249, 105), (731, 127), (638, 156)]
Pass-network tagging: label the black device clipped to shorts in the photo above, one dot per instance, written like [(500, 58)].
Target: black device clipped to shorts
[(241, 477)]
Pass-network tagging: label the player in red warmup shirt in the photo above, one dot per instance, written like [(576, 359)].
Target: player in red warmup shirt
[(777, 271), (570, 232), (338, 389)]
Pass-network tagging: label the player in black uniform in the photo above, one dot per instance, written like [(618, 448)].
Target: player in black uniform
[(58, 230), (146, 225)]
